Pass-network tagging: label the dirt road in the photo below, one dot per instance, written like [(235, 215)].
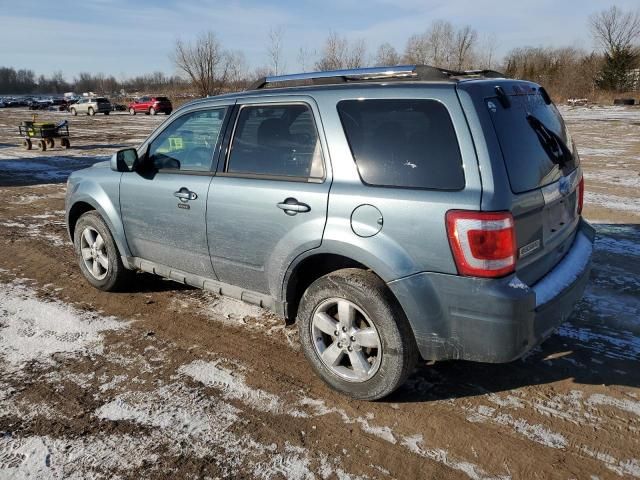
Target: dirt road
[(171, 382)]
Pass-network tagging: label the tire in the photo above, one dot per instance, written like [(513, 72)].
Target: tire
[(132, 111), (64, 142), (91, 111), (152, 111), (110, 274), (107, 113), (378, 320), (74, 112), (167, 112), (26, 143), (50, 142), (42, 145)]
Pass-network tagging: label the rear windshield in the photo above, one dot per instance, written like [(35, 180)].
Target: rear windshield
[(535, 143), (403, 143)]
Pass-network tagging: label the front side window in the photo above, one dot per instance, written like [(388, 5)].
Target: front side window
[(403, 143), (188, 143), (276, 140)]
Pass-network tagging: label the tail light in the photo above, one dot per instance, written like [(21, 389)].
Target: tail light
[(580, 195), (483, 243)]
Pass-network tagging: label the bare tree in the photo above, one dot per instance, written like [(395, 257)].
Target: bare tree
[(337, 53), (441, 45), (441, 40), (387, 55), (615, 30), (274, 50), (487, 52), (417, 50), (356, 55), (465, 40), (205, 62), (305, 58)]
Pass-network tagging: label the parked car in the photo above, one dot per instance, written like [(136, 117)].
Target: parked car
[(151, 105), (409, 212), (91, 106)]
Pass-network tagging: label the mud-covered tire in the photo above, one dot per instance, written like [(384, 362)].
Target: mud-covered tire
[(152, 111), (369, 294), (107, 113), (132, 111), (26, 144), (74, 112), (64, 142), (117, 276), (91, 112), (42, 145), (50, 142)]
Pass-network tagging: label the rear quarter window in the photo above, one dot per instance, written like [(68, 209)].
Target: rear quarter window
[(403, 143)]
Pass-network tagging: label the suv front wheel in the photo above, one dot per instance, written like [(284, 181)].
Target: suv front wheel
[(98, 254), (355, 335)]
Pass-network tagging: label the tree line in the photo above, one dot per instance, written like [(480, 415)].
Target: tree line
[(208, 68)]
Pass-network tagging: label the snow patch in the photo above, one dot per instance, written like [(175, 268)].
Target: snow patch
[(622, 404), (34, 330), (415, 443), (233, 386)]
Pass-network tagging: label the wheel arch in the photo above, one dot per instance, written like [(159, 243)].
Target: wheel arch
[(102, 204), (307, 268)]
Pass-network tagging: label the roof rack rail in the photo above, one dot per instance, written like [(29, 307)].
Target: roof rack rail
[(417, 72)]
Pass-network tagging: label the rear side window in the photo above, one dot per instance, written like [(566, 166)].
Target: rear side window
[(102, 100), (162, 99), (403, 143), (535, 143), (278, 140)]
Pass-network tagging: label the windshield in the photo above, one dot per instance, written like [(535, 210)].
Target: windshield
[(534, 140)]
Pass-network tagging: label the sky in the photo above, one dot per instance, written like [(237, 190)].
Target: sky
[(128, 38)]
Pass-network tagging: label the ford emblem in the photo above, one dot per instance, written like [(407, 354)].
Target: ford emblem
[(564, 186)]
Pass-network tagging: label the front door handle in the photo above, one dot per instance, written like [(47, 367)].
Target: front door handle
[(185, 194), (291, 206)]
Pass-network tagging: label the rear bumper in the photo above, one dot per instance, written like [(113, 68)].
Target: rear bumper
[(493, 320)]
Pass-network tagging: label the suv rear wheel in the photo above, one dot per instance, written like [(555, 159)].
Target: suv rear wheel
[(91, 111), (354, 334), (152, 111), (73, 112), (98, 254)]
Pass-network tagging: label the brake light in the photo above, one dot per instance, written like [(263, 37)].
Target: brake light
[(580, 195), (483, 243)]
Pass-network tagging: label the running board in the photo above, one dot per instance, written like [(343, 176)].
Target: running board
[(215, 286)]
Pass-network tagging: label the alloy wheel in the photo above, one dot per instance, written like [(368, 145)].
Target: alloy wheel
[(346, 340), (94, 253)]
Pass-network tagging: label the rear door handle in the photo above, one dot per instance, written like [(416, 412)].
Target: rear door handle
[(185, 194), (291, 206)]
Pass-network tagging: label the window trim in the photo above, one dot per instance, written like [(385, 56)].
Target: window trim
[(261, 176), (211, 171), (374, 185)]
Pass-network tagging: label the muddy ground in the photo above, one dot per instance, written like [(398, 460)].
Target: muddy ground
[(171, 382)]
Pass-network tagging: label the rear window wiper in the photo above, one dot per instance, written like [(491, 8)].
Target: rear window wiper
[(551, 142)]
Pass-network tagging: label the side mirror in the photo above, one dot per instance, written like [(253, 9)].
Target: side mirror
[(124, 160)]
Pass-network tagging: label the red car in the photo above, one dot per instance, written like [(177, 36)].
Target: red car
[(151, 105)]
